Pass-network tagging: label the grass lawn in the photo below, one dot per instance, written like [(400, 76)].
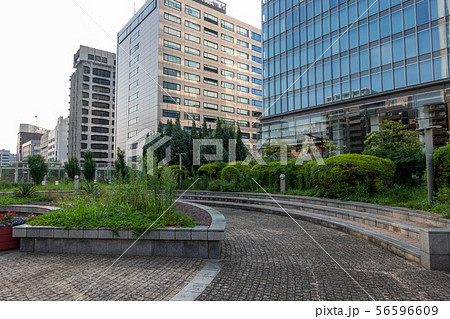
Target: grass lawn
[(12, 200)]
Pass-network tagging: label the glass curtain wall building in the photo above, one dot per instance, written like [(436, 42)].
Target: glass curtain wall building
[(337, 69)]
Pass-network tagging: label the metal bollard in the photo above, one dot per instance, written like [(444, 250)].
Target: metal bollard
[(76, 182), (283, 183)]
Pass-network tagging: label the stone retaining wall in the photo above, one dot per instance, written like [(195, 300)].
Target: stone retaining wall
[(197, 242)]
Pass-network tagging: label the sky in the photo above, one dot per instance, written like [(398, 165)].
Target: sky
[(39, 39)]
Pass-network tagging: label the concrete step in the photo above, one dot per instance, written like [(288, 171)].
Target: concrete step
[(386, 224), (395, 244)]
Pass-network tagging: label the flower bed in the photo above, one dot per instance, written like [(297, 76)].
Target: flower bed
[(7, 222)]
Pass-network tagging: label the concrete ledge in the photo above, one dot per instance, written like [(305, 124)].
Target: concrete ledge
[(28, 209), (435, 248), (197, 242)]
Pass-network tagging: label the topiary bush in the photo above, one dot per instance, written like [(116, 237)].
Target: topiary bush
[(342, 175), (442, 167), (211, 170), (230, 173)]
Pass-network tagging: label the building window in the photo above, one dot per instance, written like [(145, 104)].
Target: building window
[(243, 89), (86, 70), (243, 112), (256, 48), (171, 100), (256, 114), (227, 97), (210, 106), (209, 119), (192, 38), (85, 95), (101, 81), (242, 43), (257, 81), (256, 36), (171, 86), (227, 109), (211, 32), (134, 72), (192, 51), (193, 77), (133, 84), (243, 77), (135, 36), (192, 90), (133, 109), (242, 31), (172, 32), (228, 85), (171, 58), (243, 100), (256, 103), (100, 121), (172, 45), (132, 134), (171, 114), (192, 11), (102, 73), (101, 105), (191, 103), (133, 121), (192, 25), (257, 92), (133, 97), (210, 56), (173, 4), (134, 49), (210, 68), (210, 44), (243, 55), (243, 123), (172, 72), (85, 78), (191, 64), (191, 116), (227, 61), (172, 18), (227, 25), (211, 19), (228, 73), (256, 59), (210, 81), (211, 94), (227, 38), (227, 49), (243, 66), (135, 60), (256, 70)]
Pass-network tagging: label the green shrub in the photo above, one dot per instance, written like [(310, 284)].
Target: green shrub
[(443, 195), (308, 181), (6, 185), (230, 186), (38, 168), (214, 185), (211, 170), (184, 173), (342, 175), (230, 173), (442, 167)]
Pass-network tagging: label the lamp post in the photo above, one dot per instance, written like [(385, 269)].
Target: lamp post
[(429, 151)]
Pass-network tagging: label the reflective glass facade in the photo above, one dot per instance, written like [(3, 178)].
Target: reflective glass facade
[(321, 53)]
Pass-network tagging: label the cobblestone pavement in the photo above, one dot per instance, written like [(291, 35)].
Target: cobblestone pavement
[(269, 257), (65, 277)]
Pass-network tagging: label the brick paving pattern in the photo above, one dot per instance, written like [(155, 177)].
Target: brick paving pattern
[(268, 257), (64, 277)]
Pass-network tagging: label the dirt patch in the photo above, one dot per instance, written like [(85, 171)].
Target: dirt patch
[(200, 215)]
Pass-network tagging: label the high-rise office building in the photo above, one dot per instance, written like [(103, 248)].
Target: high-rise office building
[(54, 144), (6, 158), (27, 133), (189, 60), (92, 103), (337, 69)]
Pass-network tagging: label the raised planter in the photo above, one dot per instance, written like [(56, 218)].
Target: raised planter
[(197, 242), (7, 241)]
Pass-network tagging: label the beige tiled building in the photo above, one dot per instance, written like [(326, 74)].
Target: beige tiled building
[(187, 59)]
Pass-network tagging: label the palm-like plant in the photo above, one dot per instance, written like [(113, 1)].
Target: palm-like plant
[(25, 191)]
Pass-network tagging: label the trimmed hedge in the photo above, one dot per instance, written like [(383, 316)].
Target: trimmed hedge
[(211, 170), (230, 173), (442, 167), (343, 174)]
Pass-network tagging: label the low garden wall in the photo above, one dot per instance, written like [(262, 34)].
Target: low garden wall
[(197, 242)]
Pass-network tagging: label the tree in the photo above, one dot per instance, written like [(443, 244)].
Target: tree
[(272, 152), (72, 167), (241, 150), (179, 144), (120, 166), (89, 166), (393, 141), (38, 168)]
